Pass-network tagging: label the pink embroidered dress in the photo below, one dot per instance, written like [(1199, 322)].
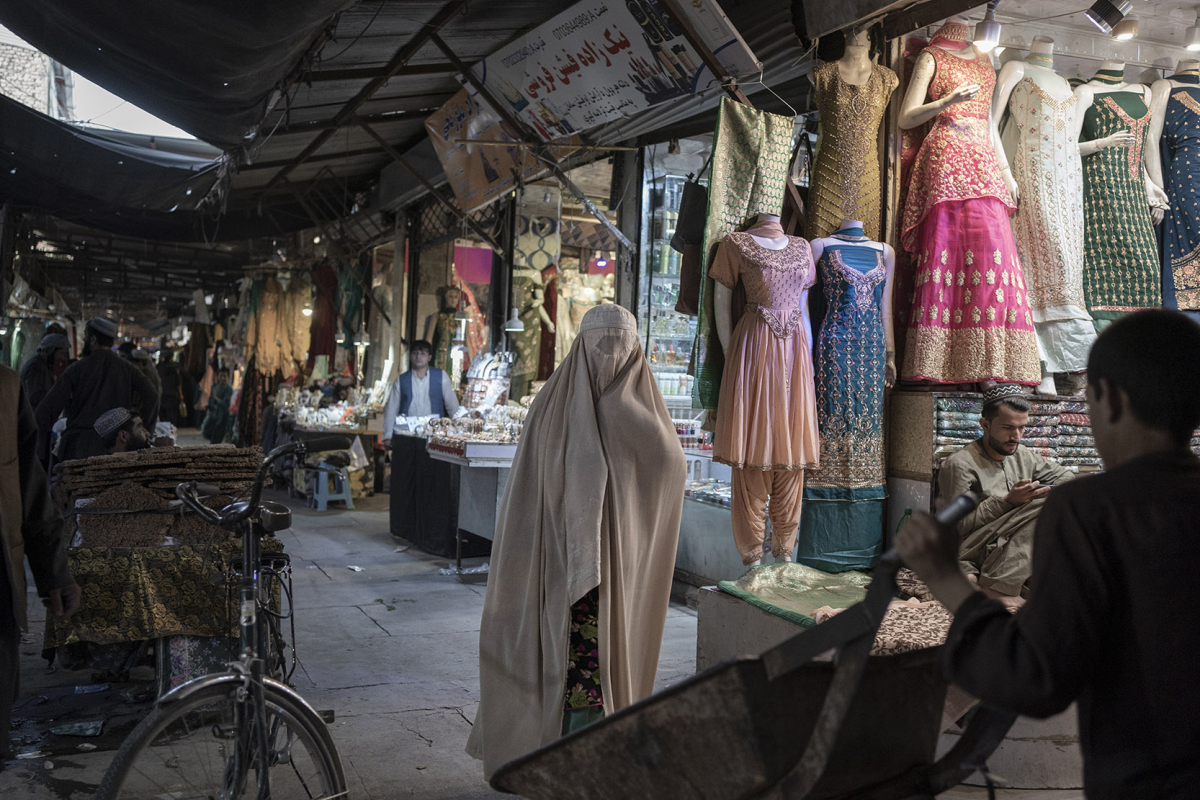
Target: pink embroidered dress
[(767, 412), (969, 317)]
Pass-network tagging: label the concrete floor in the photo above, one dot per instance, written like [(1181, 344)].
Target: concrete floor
[(392, 650)]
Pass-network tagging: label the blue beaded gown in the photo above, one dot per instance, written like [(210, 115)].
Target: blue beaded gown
[(1181, 170), (841, 520)]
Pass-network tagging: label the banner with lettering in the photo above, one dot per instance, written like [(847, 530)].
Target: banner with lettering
[(605, 59), (478, 173)]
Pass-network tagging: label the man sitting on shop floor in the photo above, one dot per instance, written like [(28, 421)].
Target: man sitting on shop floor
[(122, 431), (1113, 619), (421, 392), (1013, 481)]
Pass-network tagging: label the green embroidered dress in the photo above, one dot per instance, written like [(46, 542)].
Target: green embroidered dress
[(1121, 267)]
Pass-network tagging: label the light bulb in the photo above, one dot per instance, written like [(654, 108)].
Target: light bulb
[(1191, 38), (1126, 29)]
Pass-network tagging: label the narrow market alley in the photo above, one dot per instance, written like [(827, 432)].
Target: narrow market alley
[(392, 650)]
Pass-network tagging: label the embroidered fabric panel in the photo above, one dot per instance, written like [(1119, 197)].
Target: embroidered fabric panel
[(1181, 227), (1046, 165), (849, 373), (1122, 265), (956, 160), (846, 180), (774, 278), (752, 151)]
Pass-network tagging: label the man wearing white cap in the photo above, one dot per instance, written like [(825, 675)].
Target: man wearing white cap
[(97, 383), (122, 431), (996, 539)]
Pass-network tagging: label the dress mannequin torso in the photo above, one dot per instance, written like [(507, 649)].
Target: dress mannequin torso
[(1123, 271), (1042, 118), (1173, 161), (767, 232)]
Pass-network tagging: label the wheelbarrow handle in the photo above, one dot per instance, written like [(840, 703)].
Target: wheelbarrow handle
[(951, 514)]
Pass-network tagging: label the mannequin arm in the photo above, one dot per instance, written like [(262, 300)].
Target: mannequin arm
[(889, 331), (1010, 75), (1086, 95), (1160, 92), (723, 313), (914, 111)]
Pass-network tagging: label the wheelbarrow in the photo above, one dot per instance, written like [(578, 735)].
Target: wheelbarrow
[(791, 724)]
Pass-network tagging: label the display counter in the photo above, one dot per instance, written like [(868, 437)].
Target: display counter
[(430, 504)]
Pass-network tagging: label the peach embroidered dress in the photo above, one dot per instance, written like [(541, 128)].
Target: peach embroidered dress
[(767, 414), (969, 318)]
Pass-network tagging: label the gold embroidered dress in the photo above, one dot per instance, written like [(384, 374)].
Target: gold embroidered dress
[(1181, 166), (845, 180), (969, 317)]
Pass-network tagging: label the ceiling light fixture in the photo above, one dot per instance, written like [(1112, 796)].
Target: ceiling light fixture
[(987, 32), (1105, 14), (1191, 38), (1126, 29)]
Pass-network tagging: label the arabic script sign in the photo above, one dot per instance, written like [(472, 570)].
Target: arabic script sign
[(478, 174), (605, 59)]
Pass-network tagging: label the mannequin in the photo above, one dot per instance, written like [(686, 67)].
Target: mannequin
[(1042, 119), (767, 231), (851, 95), (1173, 162), (842, 524), (1123, 271), (969, 320), (766, 427)]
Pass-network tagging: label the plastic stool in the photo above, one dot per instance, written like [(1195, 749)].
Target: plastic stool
[(322, 495)]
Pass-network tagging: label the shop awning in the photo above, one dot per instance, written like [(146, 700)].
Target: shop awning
[(76, 172), (210, 67)]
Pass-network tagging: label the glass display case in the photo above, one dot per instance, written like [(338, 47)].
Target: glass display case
[(668, 335)]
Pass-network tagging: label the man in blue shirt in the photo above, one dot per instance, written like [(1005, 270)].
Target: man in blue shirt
[(421, 392)]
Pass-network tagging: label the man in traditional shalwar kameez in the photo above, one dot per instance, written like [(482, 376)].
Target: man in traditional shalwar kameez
[(997, 537)]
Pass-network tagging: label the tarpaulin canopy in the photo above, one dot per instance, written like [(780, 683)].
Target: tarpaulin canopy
[(210, 67)]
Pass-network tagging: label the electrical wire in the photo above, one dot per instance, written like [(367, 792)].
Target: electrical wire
[(366, 28)]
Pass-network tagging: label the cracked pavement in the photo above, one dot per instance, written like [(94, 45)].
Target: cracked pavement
[(391, 650)]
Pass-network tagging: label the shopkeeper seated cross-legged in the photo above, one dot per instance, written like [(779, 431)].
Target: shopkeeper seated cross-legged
[(420, 392), (996, 547), (1113, 618)]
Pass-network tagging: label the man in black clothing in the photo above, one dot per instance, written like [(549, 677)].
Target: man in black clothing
[(1113, 620), (98, 382), (30, 529), (39, 373)]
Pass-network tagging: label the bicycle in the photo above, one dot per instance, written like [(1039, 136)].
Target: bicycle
[(240, 733)]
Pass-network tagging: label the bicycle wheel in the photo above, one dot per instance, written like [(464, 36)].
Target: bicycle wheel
[(188, 750)]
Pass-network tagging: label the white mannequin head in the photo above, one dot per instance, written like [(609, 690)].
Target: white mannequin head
[(1042, 46), (859, 37), (1187, 64), (1113, 64)]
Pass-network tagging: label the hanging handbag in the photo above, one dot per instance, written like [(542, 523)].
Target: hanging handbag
[(688, 240)]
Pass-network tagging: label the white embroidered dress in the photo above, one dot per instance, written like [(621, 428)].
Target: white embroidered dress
[(1039, 137)]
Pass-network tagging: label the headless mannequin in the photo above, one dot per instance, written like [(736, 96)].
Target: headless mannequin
[(1010, 75), (767, 232), (1087, 94), (915, 111), (854, 67), (1160, 94), (889, 264)]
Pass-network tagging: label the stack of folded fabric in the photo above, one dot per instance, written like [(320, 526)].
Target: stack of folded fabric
[(957, 426), (1076, 446), (1042, 432)]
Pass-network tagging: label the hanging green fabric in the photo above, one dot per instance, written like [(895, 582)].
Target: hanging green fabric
[(750, 159), (350, 299)]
